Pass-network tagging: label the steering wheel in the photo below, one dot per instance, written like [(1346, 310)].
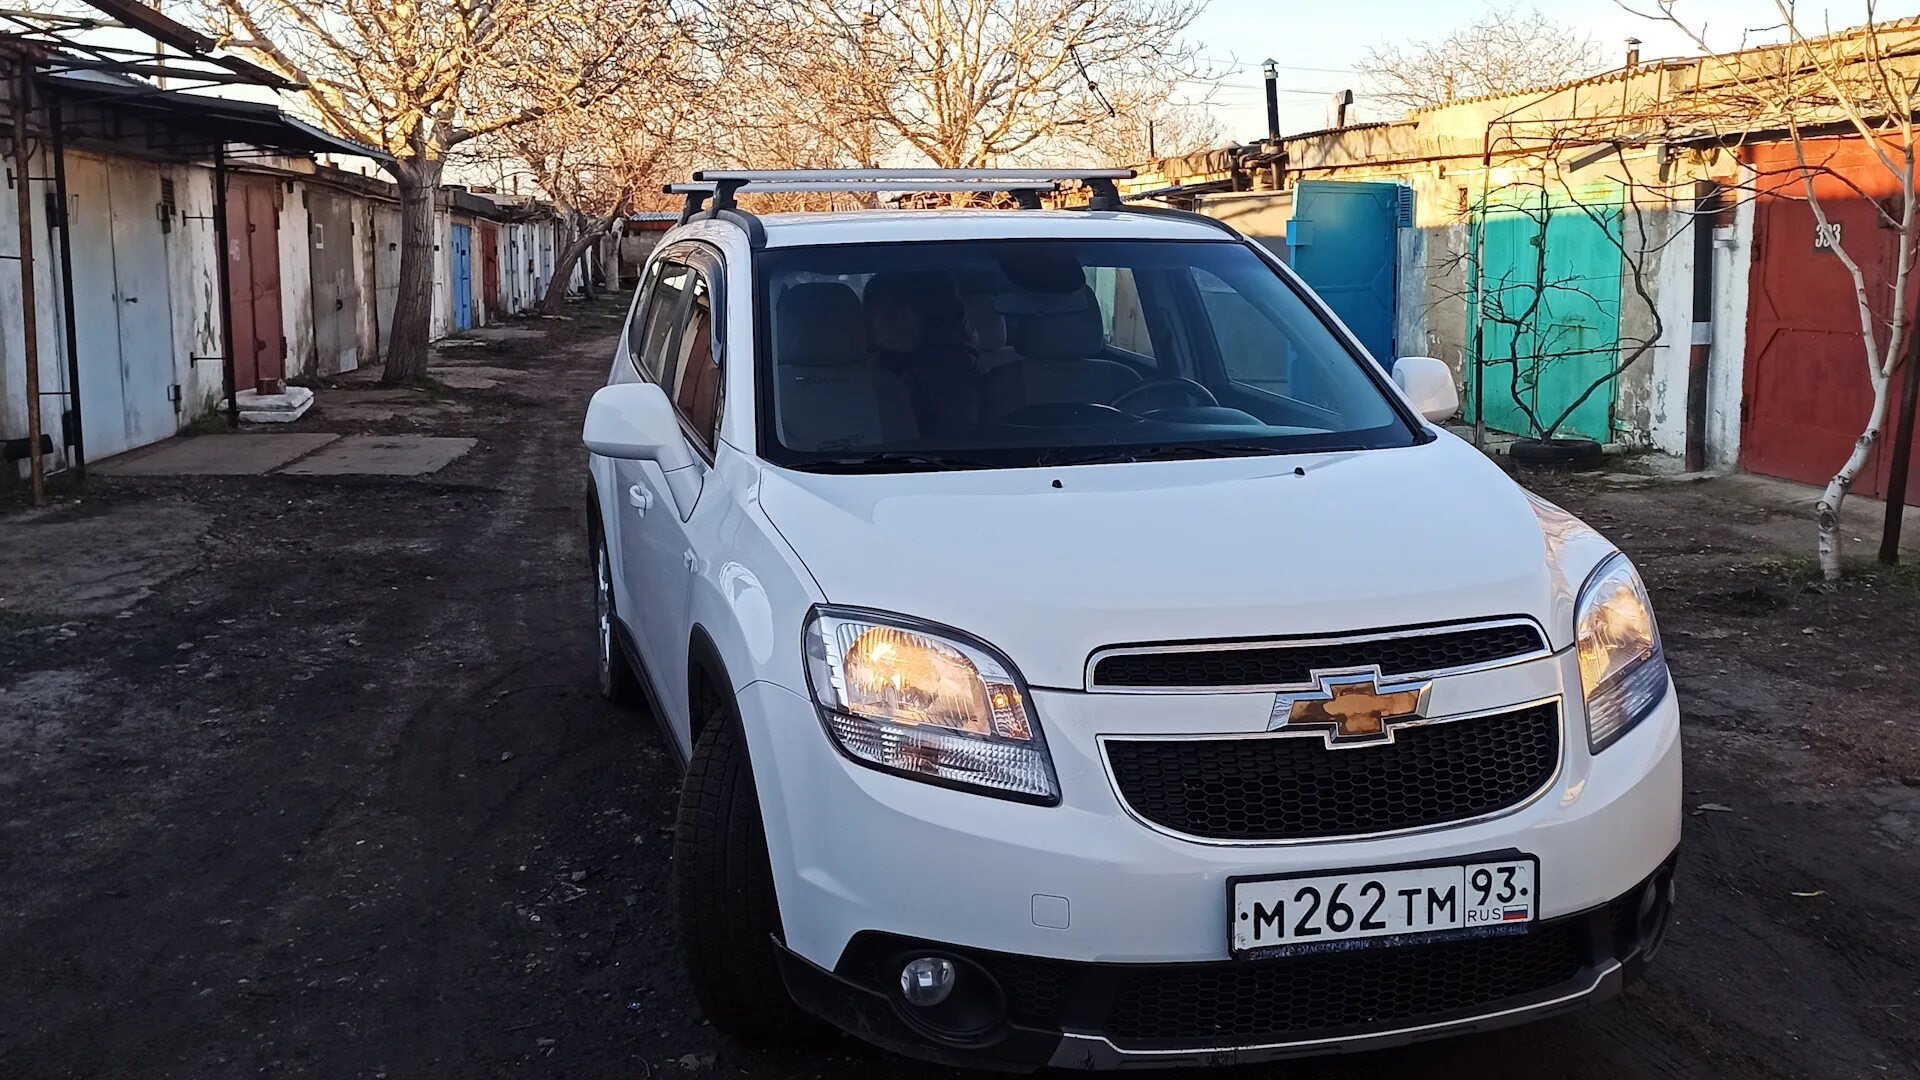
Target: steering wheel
[(1187, 387)]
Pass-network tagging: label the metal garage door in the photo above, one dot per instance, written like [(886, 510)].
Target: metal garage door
[(1806, 396), (1343, 240)]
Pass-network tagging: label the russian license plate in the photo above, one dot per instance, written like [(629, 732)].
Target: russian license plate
[(1304, 914)]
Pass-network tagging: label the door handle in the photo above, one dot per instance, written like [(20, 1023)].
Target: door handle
[(640, 498), (692, 561)]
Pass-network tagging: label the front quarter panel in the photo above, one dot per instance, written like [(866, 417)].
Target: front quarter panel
[(751, 593)]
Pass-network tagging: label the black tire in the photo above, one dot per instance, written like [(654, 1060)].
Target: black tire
[(618, 682), (723, 887), (1556, 453)]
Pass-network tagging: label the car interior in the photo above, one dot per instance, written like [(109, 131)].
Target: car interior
[(1002, 351)]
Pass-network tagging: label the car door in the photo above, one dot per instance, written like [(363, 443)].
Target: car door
[(676, 350)]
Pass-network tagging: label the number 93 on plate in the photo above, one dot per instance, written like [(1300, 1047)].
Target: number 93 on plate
[(1294, 913)]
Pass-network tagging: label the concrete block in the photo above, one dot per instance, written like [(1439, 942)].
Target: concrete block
[(258, 408), (382, 455)]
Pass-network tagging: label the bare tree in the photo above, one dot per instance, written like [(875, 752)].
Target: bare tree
[(1508, 48), (961, 83), (599, 163), (1156, 123), (417, 78)]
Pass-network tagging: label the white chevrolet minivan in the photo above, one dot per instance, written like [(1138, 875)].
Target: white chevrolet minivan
[(1083, 654)]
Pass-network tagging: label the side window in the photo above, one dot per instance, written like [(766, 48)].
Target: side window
[(697, 387), (637, 319), (660, 317), (1257, 350), (1122, 314), (1252, 349)]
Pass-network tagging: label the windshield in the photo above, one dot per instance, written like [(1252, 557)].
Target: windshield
[(1011, 353)]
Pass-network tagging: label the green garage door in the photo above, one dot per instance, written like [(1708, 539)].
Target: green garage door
[(1545, 312)]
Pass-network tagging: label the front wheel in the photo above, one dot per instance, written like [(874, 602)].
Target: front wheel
[(723, 884), (618, 683)]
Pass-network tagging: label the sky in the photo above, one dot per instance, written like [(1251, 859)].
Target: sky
[(1317, 44)]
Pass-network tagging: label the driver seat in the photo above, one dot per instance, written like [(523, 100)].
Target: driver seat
[(1060, 362)]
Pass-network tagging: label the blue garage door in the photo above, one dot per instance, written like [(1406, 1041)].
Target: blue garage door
[(462, 277), (1343, 240)]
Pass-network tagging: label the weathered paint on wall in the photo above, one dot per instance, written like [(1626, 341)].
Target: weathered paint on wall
[(199, 341), (296, 280), (366, 332), (442, 323), (52, 354)]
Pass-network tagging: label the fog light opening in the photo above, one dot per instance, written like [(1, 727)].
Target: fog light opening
[(1654, 915), (927, 981), (949, 998)]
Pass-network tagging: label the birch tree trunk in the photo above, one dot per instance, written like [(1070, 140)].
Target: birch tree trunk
[(406, 363), (1827, 510), (563, 271)]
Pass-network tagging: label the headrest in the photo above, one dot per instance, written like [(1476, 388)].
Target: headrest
[(988, 325), (1076, 333), (819, 324)]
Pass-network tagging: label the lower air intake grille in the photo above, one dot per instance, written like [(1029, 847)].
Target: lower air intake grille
[(1294, 787), (1319, 995)]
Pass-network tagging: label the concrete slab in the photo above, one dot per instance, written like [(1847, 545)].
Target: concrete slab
[(79, 560), (217, 455), (382, 455)]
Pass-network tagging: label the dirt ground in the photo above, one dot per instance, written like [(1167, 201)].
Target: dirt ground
[(306, 776)]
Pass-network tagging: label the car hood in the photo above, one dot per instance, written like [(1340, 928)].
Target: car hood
[(1051, 564)]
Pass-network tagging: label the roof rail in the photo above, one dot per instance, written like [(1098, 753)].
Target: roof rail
[(1023, 184), (1183, 215)]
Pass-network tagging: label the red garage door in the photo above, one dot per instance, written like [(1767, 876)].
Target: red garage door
[(1806, 394)]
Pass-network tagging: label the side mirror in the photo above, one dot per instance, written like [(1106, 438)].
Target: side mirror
[(1428, 383), (635, 422)]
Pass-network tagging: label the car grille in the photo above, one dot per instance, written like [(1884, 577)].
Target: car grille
[(1312, 996), (1295, 788), (1293, 663)]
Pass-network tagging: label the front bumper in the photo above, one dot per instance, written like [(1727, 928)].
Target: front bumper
[(859, 855), (1112, 1016)]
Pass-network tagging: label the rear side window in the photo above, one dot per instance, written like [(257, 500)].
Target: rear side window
[(697, 382), (658, 320)]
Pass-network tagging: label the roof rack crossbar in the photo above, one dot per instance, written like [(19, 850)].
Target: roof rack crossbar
[(870, 175), (791, 186)]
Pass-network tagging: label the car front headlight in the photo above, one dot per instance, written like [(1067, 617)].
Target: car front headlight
[(1623, 672), (926, 702)]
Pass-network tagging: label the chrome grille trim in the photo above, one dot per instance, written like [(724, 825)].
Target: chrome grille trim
[(1239, 644)]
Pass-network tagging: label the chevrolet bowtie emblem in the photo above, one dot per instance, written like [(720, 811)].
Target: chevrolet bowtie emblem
[(1350, 707)]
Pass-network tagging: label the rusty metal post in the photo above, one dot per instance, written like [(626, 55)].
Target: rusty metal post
[(1706, 207), (1902, 449), (76, 432), (222, 273), (29, 316)]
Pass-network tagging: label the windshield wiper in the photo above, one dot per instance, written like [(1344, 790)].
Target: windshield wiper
[(888, 460), (1166, 452)]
